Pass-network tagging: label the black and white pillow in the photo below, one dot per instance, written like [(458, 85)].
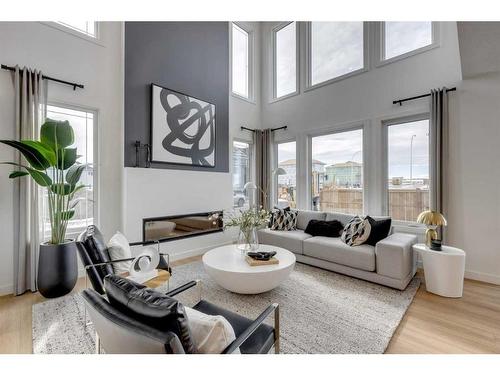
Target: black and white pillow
[(356, 231), (284, 220)]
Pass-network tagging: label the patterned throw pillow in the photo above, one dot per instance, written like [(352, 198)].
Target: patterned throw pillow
[(284, 220), (356, 231)]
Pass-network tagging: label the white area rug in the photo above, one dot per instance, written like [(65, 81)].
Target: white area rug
[(321, 312)]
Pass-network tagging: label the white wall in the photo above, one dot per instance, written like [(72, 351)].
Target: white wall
[(474, 178), (65, 56)]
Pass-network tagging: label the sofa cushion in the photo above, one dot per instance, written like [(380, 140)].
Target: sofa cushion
[(343, 218), (284, 220), (304, 216), (290, 240), (334, 250), (379, 230), (324, 228)]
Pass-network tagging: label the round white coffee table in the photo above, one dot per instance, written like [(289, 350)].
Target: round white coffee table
[(443, 270), (228, 267)]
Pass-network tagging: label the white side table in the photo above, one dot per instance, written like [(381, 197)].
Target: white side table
[(444, 270)]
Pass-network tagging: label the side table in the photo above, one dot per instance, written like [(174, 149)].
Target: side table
[(444, 270)]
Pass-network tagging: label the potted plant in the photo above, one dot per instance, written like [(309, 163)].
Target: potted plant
[(248, 221), (53, 165)]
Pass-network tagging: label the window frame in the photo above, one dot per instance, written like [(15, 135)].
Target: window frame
[(357, 125), (252, 158), (251, 65), (380, 41), (274, 180), (274, 85), (308, 74), (79, 34), (385, 163), (96, 139)]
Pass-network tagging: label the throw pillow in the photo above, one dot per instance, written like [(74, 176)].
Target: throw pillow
[(356, 231), (285, 220), (274, 212), (324, 228), (149, 307), (211, 333), (379, 230), (119, 248)]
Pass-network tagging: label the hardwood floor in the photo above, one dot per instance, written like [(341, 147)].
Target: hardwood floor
[(432, 324)]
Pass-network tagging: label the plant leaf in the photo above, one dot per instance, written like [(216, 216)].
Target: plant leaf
[(35, 158), (40, 177), (16, 174), (74, 173), (66, 215), (62, 189), (45, 150), (69, 157), (57, 134)]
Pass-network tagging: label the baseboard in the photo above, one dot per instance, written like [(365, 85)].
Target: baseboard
[(196, 252), (6, 289), (484, 277)]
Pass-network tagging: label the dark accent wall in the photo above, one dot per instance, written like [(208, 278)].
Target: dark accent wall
[(189, 57)]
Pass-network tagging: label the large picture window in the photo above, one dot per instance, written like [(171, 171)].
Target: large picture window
[(408, 169), (401, 38), (285, 63), (83, 123), (241, 54), (242, 160), (287, 175), (337, 172), (335, 49)]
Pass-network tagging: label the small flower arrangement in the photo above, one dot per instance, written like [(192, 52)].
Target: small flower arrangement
[(248, 221)]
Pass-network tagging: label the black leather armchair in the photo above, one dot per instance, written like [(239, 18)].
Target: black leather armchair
[(117, 332), (94, 255)]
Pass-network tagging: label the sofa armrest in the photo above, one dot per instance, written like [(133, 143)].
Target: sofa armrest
[(394, 255)]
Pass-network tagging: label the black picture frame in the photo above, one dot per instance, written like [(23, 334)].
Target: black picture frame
[(152, 125)]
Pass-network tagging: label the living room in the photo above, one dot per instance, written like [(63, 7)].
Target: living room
[(304, 186)]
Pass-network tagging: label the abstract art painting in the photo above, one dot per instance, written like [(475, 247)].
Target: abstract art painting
[(182, 129)]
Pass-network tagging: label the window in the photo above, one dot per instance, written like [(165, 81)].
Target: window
[(335, 49), (242, 159), (408, 169), (400, 38), (241, 52), (82, 123), (337, 172), (285, 64), (287, 175), (88, 28)]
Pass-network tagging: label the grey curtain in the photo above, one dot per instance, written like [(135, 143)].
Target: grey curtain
[(438, 147), (262, 141), (30, 106)]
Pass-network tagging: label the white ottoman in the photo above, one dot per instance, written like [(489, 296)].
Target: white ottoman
[(444, 270)]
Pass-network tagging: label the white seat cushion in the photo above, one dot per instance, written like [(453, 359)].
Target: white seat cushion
[(211, 334), (290, 240), (334, 250), (119, 248)]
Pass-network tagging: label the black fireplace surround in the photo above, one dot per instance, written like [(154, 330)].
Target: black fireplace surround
[(170, 228)]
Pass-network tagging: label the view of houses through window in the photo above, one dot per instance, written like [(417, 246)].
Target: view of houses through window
[(82, 123), (408, 169), (337, 172), (287, 179), (242, 159)]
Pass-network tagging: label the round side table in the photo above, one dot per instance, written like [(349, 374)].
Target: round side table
[(444, 270)]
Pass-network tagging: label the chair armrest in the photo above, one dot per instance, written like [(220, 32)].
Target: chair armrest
[(183, 288), (394, 255), (253, 327)]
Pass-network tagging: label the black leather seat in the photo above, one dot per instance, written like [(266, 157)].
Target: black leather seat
[(261, 341)]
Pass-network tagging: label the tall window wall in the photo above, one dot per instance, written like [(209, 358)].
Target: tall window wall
[(285, 59), (241, 61), (83, 123), (337, 172), (286, 175), (242, 161), (408, 183)]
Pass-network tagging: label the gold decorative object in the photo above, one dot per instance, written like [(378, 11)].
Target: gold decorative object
[(432, 219)]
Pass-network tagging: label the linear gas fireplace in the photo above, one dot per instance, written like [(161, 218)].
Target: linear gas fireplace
[(168, 228)]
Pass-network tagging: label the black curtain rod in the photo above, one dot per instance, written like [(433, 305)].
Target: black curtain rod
[(253, 130), (401, 101), (75, 85)]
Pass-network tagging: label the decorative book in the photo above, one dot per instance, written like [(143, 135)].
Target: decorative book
[(254, 262)]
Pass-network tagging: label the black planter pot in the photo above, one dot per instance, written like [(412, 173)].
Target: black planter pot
[(57, 269)]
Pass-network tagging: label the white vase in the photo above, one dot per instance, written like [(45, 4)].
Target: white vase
[(247, 240)]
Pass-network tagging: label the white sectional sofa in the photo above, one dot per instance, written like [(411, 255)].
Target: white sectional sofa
[(391, 262)]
